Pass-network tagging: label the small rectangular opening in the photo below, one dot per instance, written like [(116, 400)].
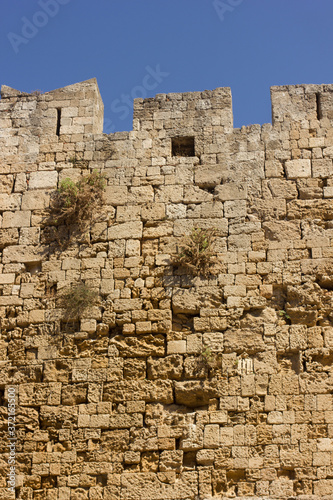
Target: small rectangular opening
[(58, 121), (33, 267), (318, 107), (182, 146)]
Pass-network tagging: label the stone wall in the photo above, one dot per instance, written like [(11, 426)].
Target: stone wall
[(173, 386)]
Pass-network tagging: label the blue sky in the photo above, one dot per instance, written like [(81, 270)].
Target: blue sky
[(139, 48)]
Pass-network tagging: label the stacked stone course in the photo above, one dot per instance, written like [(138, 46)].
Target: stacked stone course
[(173, 386)]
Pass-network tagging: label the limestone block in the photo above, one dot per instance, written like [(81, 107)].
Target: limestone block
[(7, 278), (121, 305), (133, 248), (127, 230), (194, 393), (201, 324), (325, 444), (208, 176), (235, 208), (184, 174), (235, 291), (281, 188), (328, 192), (205, 457), (328, 336), (218, 417), (176, 347), (298, 337), (36, 316), (231, 191), (35, 200), (323, 487), (275, 417), (16, 219), (273, 168), (153, 211), (282, 230), (324, 402), (159, 314), (170, 367), (23, 253), (239, 340), (194, 343), (214, 341), (143, 327), (212, 436), (148, 485), (248, 385), (171, 460), (8, 236), (29, 236), (141, 194), (100, 421), (10, 201), (125, 420), (322, 168), (116, 195), (138, 347), (162, 229), (176, 211), (128, 329), (169, 194), (88, 325), (192, 438), (132, 457), (298, 168), (321, 459), (193, 194), (43, 180), (185, 301)]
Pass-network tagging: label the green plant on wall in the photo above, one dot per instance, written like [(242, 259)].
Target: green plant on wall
[(284, 314), (76, 299), (196, 252), (76, 202), (207, 356)]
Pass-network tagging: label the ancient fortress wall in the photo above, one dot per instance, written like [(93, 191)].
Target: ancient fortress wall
[(172, 386)]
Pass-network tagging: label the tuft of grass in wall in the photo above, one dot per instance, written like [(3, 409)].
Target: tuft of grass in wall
[(207, 356), (207, 363), (76, 202), (196, 252), (76, 299)]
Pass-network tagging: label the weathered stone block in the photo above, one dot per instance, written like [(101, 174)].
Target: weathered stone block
[(127, 230), (298, 168), (43, 180), (16, 219)]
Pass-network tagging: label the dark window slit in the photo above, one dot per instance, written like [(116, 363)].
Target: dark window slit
[(58, 121), (318, 107)]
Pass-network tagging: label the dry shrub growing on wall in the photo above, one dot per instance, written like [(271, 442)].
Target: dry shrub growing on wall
[(76, 299), (75, 202), (196, 252)]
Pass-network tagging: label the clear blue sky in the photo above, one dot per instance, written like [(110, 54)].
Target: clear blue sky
[(144, 47)]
